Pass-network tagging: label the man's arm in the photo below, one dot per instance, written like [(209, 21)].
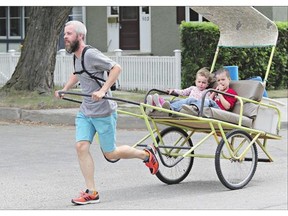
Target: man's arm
[(112, 78), (73, 79)]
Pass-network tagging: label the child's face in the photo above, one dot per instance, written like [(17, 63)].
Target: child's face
[(222, 81), (201, 82)]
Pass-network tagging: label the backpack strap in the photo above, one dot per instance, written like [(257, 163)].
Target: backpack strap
[(84, 69), (82, 57), (83, 66), (82, 61)]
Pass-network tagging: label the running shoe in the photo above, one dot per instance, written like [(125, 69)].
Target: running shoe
[(166, 105), (150, 101), (156, 100), (151, 162), (86, 198), (189, 109)]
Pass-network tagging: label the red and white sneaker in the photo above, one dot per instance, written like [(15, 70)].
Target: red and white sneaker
[(151, 162), (86, 198)]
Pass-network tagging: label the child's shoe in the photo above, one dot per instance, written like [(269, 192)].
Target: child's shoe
[(150, 100), (156, 100)]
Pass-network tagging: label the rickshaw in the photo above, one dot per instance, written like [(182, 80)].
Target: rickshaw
[(238, 134)]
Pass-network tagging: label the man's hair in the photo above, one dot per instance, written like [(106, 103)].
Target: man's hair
[(80, 28)]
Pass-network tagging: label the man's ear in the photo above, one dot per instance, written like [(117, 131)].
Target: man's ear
[(81, 36)]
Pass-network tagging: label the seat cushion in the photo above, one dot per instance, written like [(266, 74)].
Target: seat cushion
[(249, 89), (226, 116), (249, 109)]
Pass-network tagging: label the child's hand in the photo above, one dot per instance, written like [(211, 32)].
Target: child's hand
[(170, 91), (220, 88)]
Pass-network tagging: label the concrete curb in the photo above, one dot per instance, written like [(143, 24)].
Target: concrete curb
[(61, 116)]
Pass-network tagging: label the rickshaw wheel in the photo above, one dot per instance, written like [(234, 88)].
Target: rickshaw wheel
[(236, 173), (171, 170)]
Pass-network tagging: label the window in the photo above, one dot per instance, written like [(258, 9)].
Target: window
[(180, 14), (193, 15), (13, 22), (26, 12), (77, 14), (145, 9), (15, 27), (3, 18), (114, 10)]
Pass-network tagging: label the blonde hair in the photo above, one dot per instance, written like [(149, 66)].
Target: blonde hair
[(223, 70), (204, 72)]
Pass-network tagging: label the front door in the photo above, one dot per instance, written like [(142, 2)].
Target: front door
[(129, 28)]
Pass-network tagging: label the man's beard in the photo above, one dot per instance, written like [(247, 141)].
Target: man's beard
[(74, 47)]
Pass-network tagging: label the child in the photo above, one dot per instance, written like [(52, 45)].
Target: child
[(216, 100), (193, 92)]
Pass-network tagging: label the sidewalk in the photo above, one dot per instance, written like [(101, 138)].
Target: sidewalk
[(61, 116), (67, 116)]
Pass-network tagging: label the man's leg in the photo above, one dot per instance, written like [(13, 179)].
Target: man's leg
[(128, 152), (90, 195), (86, 163), (85, 132), (106, 129)]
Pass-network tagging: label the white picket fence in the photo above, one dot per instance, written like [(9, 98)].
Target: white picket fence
[(138, 72)]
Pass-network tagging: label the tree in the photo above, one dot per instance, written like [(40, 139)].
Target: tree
[(35, 68)]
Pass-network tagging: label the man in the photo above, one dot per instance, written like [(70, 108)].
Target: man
[(96, 114)]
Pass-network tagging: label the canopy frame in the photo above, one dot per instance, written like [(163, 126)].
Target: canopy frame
[(241, 27)]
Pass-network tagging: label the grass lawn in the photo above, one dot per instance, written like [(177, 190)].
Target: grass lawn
[(31, 100)]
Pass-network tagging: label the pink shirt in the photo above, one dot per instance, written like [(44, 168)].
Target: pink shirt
[(192, 91)]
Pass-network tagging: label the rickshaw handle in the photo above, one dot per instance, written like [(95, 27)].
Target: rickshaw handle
[(60, 93)]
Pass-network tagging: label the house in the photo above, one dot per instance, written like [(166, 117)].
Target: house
[(142, 30)]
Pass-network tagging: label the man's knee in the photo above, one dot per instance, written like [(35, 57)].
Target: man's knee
[(82, 146), (111, 155)]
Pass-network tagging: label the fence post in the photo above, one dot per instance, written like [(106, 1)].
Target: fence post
[(62, 52), (12, 67), (118, 53), (62, 72), (177, 54)]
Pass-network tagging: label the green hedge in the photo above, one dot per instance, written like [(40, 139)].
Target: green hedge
[(199, 43)]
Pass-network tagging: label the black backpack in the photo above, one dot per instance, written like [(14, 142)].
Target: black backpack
[(113, 87)]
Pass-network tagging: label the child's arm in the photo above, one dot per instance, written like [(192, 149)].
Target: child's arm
[(224, 102), (212, 95), (228, 102), (184, 92)]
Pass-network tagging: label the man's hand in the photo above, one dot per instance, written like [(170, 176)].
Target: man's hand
[(98, 95), (56, 94)]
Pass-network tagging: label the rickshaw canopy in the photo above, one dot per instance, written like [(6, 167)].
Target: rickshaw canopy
[(240, 26)]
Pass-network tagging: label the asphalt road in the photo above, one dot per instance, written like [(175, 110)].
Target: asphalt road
[(39, 171)]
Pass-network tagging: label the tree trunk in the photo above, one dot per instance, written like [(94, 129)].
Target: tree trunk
[(35, 68)]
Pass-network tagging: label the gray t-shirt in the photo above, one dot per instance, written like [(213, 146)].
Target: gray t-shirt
[(96, 63)]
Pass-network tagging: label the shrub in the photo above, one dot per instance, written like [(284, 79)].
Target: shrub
[(199, 43)]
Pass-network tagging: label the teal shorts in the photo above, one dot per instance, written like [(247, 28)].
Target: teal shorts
[(86, 128)]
